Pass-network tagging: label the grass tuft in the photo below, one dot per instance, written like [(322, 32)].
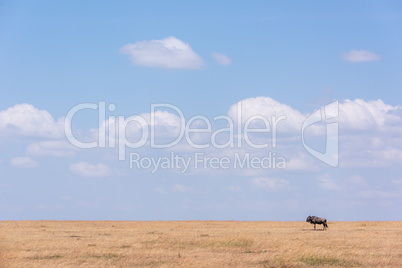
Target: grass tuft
[(229, 243), (49, 257), (106, 256), (325, 261)]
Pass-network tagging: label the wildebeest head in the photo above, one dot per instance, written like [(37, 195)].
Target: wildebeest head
[(308, 219)]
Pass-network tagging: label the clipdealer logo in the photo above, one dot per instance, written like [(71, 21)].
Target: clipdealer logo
[(326, 113), (239, 132)]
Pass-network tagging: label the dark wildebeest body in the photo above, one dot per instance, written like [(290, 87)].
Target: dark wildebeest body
[(316, 220)]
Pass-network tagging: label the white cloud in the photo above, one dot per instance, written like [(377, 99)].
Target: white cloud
[(380, 146), (370, 134), (360, 56), (221, 59), (167, 127), (51, 148), (300, 162), (360, 114), (271, 184), (23, 162), (164, 122), (357, 151), (26, 120), (87, 170), (353, 114), (271, 110), (170, 53)]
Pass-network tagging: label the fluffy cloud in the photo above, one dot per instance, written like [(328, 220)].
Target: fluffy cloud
[(87, 170), (270, 184), (221, 59), (58, 148), (369, 133), (26, 120), (170, 53), (269, 109), (353, 114), (300, 162), (360, 115), (166, 125), (360, 56), (23, 162), (357, 147), (164, 122)]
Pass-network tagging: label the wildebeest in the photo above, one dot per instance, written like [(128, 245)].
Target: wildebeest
[(317, 220)]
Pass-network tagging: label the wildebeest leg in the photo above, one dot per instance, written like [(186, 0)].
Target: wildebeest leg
[(314, 226)]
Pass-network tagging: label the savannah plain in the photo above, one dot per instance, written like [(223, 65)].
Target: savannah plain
[(199, 244)]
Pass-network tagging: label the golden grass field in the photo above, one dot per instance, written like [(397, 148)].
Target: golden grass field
[(199, 244)]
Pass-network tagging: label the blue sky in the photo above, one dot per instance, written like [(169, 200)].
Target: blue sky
[(272, 57)]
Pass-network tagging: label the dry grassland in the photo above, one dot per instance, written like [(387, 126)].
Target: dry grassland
[(199, 244)]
